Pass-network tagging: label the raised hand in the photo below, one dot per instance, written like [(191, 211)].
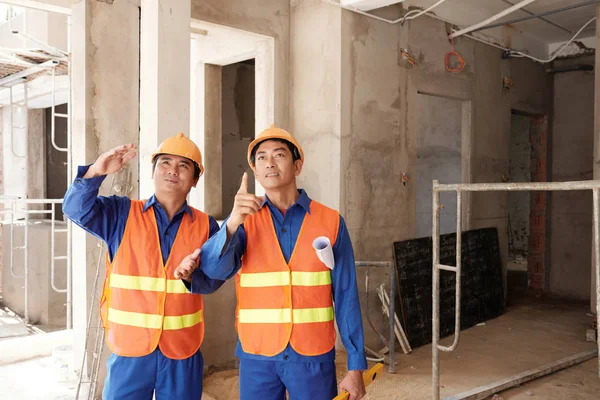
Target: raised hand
[(187, 266), (245, 204), (111, 161)]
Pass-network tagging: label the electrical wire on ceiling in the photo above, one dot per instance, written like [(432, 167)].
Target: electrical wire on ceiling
[(509, 51), (513, 53), (407, 17)]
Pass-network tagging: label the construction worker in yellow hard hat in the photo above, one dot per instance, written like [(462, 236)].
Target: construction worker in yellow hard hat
[(154, 324), (285, 292)]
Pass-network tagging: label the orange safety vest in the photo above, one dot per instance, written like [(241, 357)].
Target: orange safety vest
[(279, 302), (143, 305)]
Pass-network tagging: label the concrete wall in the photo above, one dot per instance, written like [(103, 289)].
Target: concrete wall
[(237, 129), (572, 159), (106, 46), (316, 106), (384, 132), (36, 153), (438, 157), (265, 17), (519, 171), (46, 307)]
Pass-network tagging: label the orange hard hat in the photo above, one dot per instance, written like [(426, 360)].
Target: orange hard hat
[(180, 145), (273, 133)]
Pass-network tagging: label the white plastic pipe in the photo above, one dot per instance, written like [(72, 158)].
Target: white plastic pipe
[(491, 19)]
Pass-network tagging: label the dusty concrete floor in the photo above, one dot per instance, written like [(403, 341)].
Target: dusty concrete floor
[(529, 335), (34, 380)]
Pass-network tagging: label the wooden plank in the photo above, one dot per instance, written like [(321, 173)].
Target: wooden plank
[(485, 391)]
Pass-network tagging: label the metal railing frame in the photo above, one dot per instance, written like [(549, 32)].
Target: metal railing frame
[(13, 210), (490, 187)]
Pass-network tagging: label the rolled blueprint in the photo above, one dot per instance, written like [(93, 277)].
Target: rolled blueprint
[(322, 247)]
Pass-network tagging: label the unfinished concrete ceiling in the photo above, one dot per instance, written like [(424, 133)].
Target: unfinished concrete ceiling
[(539, 36)]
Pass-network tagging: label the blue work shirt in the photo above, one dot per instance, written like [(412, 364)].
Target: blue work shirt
[(106, 217), (219, 264)]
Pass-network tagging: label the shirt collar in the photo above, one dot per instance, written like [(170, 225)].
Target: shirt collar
[(152, 201), (303, 201)]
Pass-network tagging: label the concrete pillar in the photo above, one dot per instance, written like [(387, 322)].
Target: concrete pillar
[(316, 99), (213, 187), (36, 153), (196, 197), (165, 77), (105, 113), (594, 290)]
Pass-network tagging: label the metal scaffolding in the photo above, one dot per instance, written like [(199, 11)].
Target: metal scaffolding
[(19, 213), (490, 187)]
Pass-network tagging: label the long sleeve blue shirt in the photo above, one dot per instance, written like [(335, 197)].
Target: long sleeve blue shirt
[(220, 263), (106, 217)]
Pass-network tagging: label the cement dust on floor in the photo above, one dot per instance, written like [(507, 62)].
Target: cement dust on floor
[(34, 379), (530, 334)]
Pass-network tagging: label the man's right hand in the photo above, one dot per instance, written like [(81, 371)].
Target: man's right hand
[(111, 161), (245, 204)]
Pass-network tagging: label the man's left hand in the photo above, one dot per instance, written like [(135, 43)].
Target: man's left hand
[(187, 266), (353, 384)]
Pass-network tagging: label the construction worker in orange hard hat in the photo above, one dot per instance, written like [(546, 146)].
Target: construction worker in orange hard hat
[(292, 259), (153, 323)]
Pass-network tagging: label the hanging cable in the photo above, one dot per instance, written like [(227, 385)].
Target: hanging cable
[(458, 67)]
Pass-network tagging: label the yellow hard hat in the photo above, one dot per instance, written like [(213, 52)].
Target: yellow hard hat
[(273, 133), (180, 145)]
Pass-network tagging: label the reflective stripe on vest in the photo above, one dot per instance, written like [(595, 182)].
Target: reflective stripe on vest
[(281, 302), (282, 278), (285, 315), (146, 283), (154, 321), (143, 307)]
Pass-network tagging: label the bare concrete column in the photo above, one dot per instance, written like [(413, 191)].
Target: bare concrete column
[(165, 78), (196, 197), (213, 187), (594, 294), (316, 96), (105, 113)]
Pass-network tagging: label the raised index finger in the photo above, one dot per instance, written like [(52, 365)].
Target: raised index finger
[(244, 186)]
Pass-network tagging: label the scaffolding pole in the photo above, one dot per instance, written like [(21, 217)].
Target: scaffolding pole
[(436, 266)]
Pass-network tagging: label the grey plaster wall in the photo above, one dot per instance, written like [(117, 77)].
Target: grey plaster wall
[(238, 128), (519, 171), (46, 307), (572, 159), (266, 17), (381, 130), (438, 157)]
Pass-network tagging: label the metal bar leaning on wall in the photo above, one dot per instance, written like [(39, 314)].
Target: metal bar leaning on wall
[(392, 338)]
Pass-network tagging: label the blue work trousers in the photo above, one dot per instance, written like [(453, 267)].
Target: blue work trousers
[(139, 378), (269, 380)]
